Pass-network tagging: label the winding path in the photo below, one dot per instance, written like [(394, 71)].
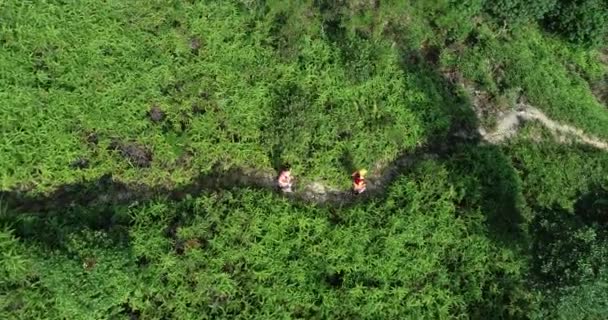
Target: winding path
[(107, 191), (509, 124)]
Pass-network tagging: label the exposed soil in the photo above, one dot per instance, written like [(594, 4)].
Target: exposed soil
[(92, 138), (156, 114), (129, 311), (432, 54), (136, 154), (195, 45), (600, 90), (198, 110), (509, 123)]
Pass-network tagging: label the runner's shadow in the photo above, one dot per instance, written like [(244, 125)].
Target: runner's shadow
[(346, 160)]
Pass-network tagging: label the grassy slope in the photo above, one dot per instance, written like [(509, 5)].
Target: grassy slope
[(554, 174), (552, 75), (450, 239), (263, 93), (455, 236), (257, 90), (253, 255)]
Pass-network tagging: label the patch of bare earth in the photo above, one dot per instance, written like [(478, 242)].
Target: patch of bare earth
[(600, 88), (136, 154), (508, 123)]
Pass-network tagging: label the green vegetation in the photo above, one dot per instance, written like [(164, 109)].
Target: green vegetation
[(590, 30), (515, 12), (233, 91), (248, 252), (162, 93)]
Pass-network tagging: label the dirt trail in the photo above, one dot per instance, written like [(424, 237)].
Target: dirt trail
[(107, 191), (509, 124), (377, 182)]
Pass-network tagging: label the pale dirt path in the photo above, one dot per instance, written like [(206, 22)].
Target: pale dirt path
[(318, 192), (509, 124)]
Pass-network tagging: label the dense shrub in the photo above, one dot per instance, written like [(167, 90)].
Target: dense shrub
[(235, 86), (580, 21), (513, 12), (324, 85), (453, 19), (249, 254), (570, 253)]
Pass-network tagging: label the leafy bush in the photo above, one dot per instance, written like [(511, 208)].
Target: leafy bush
[(567, 251), (158, 92), (250, 254), (236, 87), (451, 19), (515, 12), (554, 174), (581, 21), (570, 256)]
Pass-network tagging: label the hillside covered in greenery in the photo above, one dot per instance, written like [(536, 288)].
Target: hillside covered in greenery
[(139, 138)]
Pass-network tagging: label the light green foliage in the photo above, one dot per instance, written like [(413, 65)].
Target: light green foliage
[(453, 20), (251, 255), (13, 263), (481, 231), (238, 88), (20, 297), (557, 174), (71, 272)]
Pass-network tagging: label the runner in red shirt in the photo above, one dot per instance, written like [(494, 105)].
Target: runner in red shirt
[(359, 184)]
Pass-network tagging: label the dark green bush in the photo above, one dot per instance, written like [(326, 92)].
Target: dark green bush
[(452, 19), (514, 12), (580, 21), (569, 258)]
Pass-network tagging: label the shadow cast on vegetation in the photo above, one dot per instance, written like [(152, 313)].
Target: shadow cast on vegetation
[(481, 172), (568, 246), (484, 178), (482, 175), (493, 182), (347, 162), (106, 191), (492, 185)]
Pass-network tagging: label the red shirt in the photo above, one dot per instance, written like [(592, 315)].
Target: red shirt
[(358, 180)]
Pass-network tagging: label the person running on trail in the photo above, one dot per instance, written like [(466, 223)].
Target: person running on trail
[(284, 180), (359, 181)]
